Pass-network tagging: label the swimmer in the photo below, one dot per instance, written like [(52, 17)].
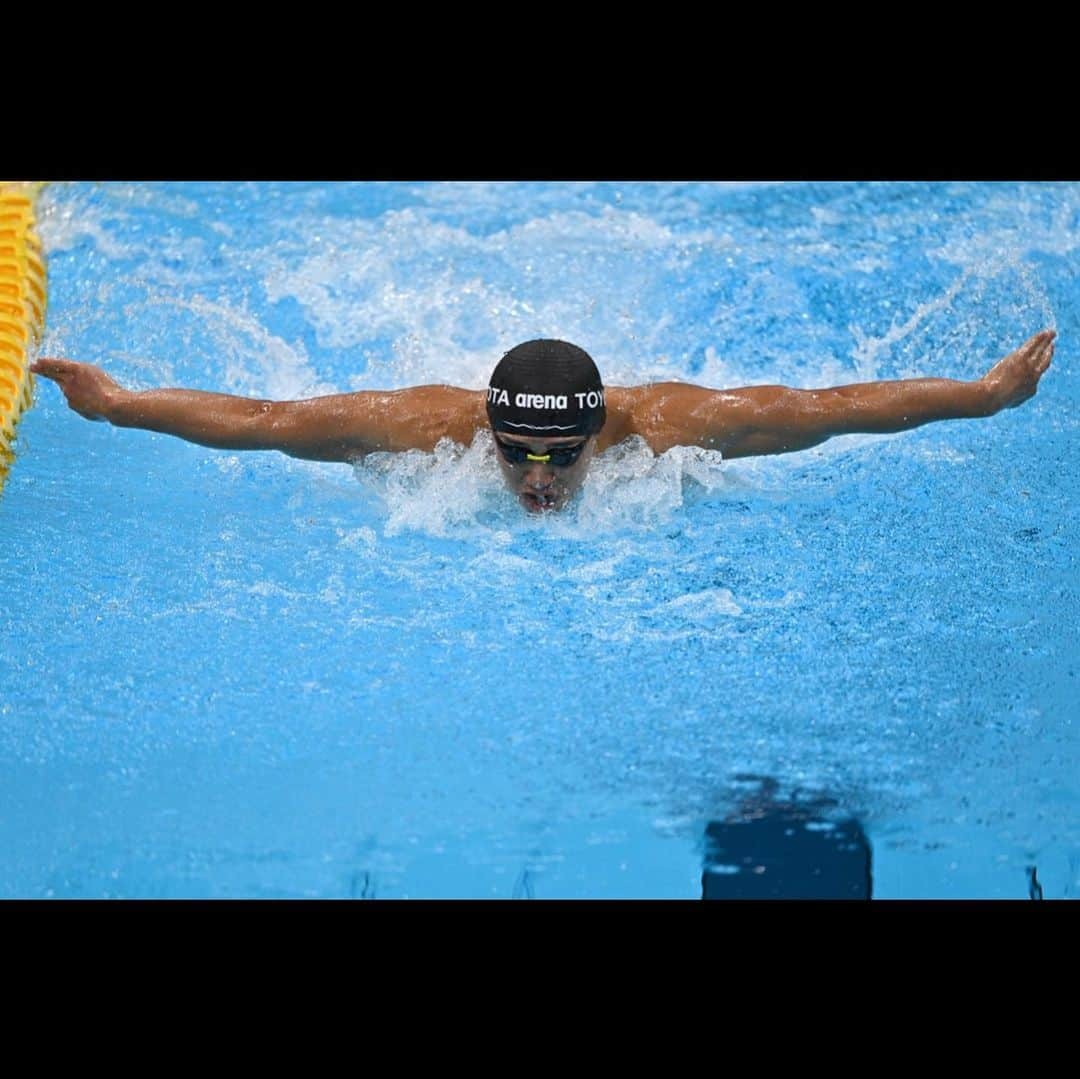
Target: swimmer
[(550, 414)]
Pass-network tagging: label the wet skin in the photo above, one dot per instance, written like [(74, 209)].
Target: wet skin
[(745, 422), (542, 486)]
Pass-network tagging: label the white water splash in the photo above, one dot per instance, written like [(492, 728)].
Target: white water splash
[(459, 491), (870, 350), (394, 290), (256, 361), (436, 493)]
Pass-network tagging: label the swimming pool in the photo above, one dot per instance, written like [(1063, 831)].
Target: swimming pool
[(244, 675)]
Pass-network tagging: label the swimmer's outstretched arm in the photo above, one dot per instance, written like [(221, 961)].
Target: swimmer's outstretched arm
[(341, 427), (775, 419)]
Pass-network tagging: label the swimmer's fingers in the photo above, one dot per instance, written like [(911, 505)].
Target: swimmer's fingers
[(88, 389), (57, 370), (1016, 378), (1034, 356), (1047, 355)]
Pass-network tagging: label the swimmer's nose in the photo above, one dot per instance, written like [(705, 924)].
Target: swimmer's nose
[(539, 477)]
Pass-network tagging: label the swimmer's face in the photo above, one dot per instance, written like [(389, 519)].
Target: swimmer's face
[(543, 485)]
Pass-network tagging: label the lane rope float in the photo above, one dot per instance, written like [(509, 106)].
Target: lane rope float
[(23, 295)]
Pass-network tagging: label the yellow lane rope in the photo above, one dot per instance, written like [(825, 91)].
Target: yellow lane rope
[(22, 307)]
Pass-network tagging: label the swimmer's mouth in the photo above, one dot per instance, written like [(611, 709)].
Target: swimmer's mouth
[(535, 503)]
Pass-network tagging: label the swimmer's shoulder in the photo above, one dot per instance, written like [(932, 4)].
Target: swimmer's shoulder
[(620, 402), (418, 417), (654, 411), (452, 412)]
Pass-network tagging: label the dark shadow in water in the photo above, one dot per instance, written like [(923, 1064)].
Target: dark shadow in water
[(785, 847), (362, 886), (523, 886), (1034, 887)]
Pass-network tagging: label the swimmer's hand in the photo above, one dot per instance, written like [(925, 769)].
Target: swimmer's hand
[(1011, 381), (89, 391)]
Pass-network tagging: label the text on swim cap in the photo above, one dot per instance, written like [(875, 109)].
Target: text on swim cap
[(588, 399)]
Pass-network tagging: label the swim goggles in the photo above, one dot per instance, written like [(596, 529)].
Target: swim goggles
[(560, 456)]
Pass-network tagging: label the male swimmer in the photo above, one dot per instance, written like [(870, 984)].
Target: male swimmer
[(549, 414)]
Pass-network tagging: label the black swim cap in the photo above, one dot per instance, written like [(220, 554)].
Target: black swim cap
[(546, 388)]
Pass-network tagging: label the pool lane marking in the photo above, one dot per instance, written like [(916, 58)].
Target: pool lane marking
[(23, 299)]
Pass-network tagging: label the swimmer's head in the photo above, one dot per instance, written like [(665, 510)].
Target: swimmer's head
[(545, 404)]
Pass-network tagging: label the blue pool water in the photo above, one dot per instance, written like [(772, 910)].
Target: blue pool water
[(244, 675)]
